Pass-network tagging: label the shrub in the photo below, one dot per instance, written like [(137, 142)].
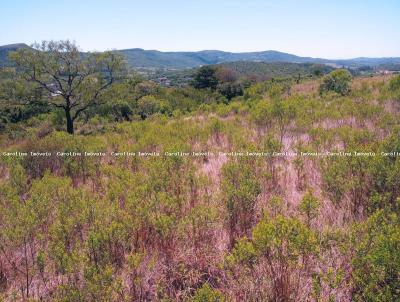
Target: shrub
[(394, 87), (394, 84), (337, 81), (309, 206), (377, 259), (147, 106), (240, 187), (207, 294)]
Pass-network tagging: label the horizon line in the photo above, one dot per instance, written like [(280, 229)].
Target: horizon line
[(204, 50)]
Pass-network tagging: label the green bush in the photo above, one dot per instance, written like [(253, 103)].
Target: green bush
[(207, 294), (376, 262), (394, 84), (394, 87), (338, 81)]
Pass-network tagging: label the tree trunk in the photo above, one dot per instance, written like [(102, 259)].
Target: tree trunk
[(70, 121)]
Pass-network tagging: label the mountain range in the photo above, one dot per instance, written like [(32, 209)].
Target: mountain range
[(140, 58)]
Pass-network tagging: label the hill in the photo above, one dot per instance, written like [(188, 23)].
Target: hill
[(4, 51), (179, 60), (154, 59)]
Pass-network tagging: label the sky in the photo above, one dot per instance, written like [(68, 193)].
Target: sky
[(332, 29)]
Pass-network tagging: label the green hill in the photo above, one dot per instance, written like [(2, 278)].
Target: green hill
[(6, 49), (154, 59)]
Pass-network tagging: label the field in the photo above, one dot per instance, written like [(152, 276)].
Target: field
[(280, 194)]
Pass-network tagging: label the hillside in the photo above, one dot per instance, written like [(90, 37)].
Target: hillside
[(154, 59), (262, 70), (157, 59), (6, 49), (244, 70)]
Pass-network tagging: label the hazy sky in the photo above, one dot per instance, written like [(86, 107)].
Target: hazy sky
[(325, 28)]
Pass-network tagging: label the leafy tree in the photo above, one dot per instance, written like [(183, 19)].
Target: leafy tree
[(70, 80), (13, 92), (205, 78), (337, 81)]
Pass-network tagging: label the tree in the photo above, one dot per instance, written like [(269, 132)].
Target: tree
[(337, 81), (205, 78), (69, 79)]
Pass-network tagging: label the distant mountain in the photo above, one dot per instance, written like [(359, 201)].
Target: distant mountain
[(13, 46), (138, 57), (362, 61), (154, 59), (5, 49)]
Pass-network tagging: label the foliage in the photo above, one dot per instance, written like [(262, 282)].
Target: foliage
[(309, 206), (233, 224), (240, 188), (394, 87), (376, 260), (70, 81), (337, 81), (207, 294), (205, 78)]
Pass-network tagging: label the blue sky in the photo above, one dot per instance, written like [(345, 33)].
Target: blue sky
[(329, 29)]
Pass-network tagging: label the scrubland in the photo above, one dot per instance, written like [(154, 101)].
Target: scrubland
[(294, 225)]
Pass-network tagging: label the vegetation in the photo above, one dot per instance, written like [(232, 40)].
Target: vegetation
[(290, 195), (337, 81), (205, 78), (66, 80), (152, 59), (261, 71)]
